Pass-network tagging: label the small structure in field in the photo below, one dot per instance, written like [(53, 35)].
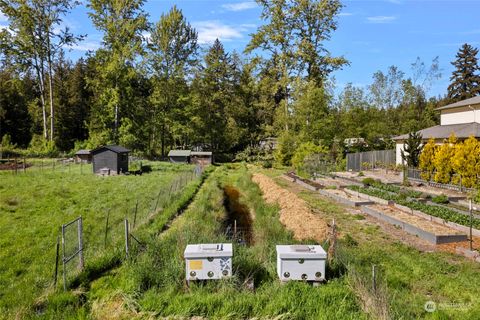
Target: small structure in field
[(179, 156), (83, 156), (201, 157), (110, 160)]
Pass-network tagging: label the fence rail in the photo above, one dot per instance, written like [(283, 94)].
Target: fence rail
[(414, 174), (370, 159)]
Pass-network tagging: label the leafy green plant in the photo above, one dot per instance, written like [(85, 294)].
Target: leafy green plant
[(440, 199), (368, 182)]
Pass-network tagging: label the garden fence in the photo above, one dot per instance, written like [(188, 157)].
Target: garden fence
[(81, 245), (370, 160), (414, 174)]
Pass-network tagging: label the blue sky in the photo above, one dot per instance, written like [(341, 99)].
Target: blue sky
[(372, 35)]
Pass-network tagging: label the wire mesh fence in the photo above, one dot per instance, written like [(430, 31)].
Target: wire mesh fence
[(81, 244), (417, 175)]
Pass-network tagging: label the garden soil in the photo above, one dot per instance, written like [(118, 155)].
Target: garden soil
[(295, 214)]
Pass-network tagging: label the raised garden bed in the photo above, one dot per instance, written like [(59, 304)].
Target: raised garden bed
[(306, 183), (344, 198), (433, 233)]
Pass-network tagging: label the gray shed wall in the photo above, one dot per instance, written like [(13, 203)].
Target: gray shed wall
[(116, 162), (179, 159)]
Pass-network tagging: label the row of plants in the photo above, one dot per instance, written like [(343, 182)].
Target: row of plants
[(370, 182), (436, 211)]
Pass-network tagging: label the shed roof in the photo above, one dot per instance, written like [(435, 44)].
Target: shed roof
[(462, 130), (82, 152), (201, 153), (463, 103), (114, 148), (179, 153)]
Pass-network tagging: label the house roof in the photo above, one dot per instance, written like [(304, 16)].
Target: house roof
[(201, 153), (462, 131), (463, 103), (82, 152), (179, 153), (114, 148)]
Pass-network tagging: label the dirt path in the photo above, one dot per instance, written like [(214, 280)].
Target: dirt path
[(295, 214)]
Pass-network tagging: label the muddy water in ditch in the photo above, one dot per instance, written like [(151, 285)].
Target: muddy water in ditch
[(238, 225)]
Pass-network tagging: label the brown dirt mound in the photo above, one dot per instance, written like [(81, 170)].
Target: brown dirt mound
[(295, 214)]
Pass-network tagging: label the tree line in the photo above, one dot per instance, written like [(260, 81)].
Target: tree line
[(151, 87)]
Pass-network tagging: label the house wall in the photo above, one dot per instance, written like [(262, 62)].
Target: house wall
[(460, 115), (105, 159), (399, 148)]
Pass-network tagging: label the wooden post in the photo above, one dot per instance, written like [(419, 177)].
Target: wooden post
[(235, 229), (374, 278), (24, 165), (127, 242), (56, 261), (471, 223), (80, 244), (16, 164), (53, 164), (106, 229)]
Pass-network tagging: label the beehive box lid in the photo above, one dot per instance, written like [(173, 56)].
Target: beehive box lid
[(205, 250), (301, 251)]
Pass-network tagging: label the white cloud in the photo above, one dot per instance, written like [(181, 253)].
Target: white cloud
[(86, 46), (345, 14), (3, 18), (239, 6), (210, 30), (381, 19)]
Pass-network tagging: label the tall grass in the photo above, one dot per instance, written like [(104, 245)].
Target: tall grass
[(33, 206), (155, 279)]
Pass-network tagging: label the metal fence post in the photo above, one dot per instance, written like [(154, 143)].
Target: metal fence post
[(374, 278), (80, 244), (56, 261), (135, 214), (106, 229), (127, 242), (63, 260)]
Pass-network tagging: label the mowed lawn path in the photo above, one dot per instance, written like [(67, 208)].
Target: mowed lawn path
[(34, 205)]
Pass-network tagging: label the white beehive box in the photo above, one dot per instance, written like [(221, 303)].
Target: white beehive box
[(301, 262), (208, 261)]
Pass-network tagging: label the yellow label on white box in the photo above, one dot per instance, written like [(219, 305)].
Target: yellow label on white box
[(196, 264)]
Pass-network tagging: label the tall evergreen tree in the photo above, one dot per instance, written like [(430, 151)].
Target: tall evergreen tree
[(213, 92), (412, 149), (173, 49), (465, 79), (122, 24)]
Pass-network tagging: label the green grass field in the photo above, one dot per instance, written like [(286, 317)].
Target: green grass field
[(34, 205), (151, 283)]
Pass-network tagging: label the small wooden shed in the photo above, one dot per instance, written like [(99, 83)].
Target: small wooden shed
[(110, 160), (179, 156), (84, 156), (201, 157)]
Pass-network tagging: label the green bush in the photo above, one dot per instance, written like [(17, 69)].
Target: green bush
[(303, 151), (441, 199), (367, 182)]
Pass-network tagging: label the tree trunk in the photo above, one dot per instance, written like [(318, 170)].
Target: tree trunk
[(50, 87)]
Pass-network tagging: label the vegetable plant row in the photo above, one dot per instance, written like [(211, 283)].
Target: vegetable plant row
[(440, 212)]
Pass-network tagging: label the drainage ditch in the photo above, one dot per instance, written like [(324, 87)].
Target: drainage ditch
[(238, 224)]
